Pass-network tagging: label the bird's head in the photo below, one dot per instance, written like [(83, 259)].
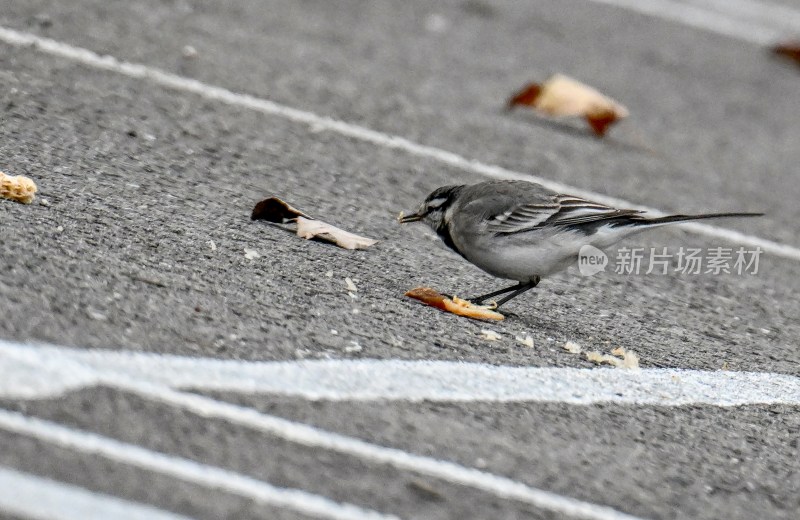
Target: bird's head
[(433, 208)]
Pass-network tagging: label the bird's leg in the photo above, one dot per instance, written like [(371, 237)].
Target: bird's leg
[(480, 299), (518, 289)]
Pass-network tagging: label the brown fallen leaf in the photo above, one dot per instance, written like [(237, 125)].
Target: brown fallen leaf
[(457, 306), (275, 210), (789, 49), (563, 96), (278, 211), (18, 188)]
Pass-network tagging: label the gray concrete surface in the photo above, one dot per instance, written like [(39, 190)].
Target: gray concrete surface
[(139, 179)]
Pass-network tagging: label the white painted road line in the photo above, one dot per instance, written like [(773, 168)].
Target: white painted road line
[(46, 371), (781, 17), (28, 496), (700, 17), (184, 469), (184, 84), (499, 486), (502, 487)]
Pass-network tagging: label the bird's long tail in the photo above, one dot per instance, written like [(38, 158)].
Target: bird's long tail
[(671, 219)]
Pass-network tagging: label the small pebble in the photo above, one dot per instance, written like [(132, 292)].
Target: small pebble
[(189, 52)]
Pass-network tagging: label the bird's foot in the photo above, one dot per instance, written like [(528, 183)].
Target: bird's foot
[(492, 305)]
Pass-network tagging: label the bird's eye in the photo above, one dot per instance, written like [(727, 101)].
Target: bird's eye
[(436, 203)]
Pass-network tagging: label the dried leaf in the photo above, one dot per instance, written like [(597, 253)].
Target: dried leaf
[(563, 96), (309, 228), (18, 188), (527, 96), (790, 49), (457, 306), (277, 211)]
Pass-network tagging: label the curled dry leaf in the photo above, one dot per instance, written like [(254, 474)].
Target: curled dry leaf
[(457, 306), (309, 228), (18, 188), (563, 96), (789, 49), (277, 211)]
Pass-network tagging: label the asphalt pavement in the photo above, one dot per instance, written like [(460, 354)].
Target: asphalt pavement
[(140, 240)]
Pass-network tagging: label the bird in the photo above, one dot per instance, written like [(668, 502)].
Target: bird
[(520, 230)]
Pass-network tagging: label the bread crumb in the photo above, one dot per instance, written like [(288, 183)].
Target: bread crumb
[(621, 358), (527, 340), (630, 359), (597, 357), (490, 335), (19, 188), (572, 347), (353, 347)]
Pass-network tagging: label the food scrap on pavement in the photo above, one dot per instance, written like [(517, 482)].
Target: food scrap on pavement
[(18, 188), (454, 305)]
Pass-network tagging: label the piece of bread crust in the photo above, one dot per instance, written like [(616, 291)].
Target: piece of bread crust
[(456, 306), (19, 188)]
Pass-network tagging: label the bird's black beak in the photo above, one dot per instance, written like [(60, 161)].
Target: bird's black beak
[(405, 219)]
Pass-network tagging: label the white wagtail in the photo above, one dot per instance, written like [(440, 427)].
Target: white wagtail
[(522, 231)]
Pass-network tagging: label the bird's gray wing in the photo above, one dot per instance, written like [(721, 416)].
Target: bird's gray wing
[(562, 211)]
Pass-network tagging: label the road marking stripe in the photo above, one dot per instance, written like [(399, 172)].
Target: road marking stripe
[(778, 16), (184, 469), (701, 18), (184, 84), (307, 435), (28, 496), (501, 487), (48, 371)]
